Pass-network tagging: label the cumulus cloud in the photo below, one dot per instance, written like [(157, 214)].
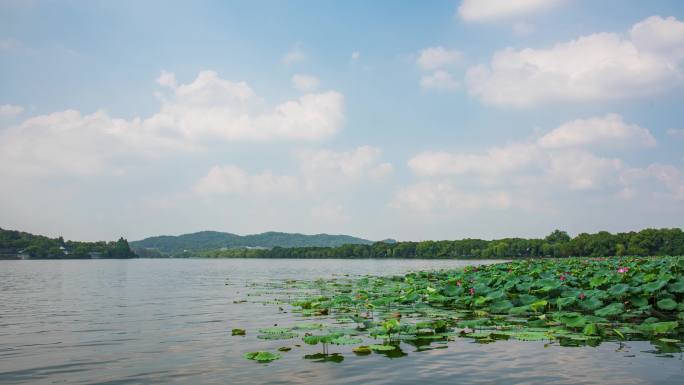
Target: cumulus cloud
[(431, 195), (609, 130), (71, 143), (640, 181), (559, 161), (490, 10), (493, 161), (438, 57), (597, 67), (9, 110), (305, 83), (192, 115), (362, 162), (318, 170), (436, 60), (439, 80), (231, 179)]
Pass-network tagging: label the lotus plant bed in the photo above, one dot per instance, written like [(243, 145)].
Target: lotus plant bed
[(569, 302)]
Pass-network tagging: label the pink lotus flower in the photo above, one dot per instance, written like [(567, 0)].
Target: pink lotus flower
[(472, 291), (458, 283), (623, 270), (562, 278), (581, 296)]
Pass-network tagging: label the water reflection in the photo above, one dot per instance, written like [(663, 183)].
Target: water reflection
[(164, 321)]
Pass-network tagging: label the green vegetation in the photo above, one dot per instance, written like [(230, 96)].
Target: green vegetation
[(569, 302), (557, 244), (192, 244), (17, 243)]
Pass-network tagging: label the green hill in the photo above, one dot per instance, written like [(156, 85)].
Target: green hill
[(212, 240)]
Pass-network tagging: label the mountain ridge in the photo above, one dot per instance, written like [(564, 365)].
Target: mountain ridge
[(211, 240)]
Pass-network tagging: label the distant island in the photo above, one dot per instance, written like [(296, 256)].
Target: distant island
[(212, 244)]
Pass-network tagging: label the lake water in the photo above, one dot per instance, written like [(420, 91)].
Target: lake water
[(152, 321)]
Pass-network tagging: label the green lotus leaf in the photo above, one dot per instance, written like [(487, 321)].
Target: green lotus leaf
[(676, 287), (654, 286), (382, 348), (611, 310), (591, 330), (274, 330), (618, 289), (539, 305), (261, 356), (238, 332), (658, 327), (638, 301), (667, 304), (345, 340), (277, 336), (590, 303), (309, 326), (501, 306)]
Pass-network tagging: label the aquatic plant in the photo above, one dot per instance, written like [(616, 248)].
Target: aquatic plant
[(571, 302)]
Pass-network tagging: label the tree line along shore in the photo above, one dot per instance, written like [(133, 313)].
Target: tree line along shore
[(558, 244)]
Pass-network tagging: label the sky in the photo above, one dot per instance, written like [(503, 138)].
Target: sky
[(402, 119)]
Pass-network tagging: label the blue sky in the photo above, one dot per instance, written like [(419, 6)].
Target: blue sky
[(437, 120)]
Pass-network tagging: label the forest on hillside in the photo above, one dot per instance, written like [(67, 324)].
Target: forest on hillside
[(14, 244), (558, 244)]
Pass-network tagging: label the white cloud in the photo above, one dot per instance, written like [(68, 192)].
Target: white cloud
[(8, 110), (582, 170), (508, 175), (355, 56), (676, 132), (597, 67), (70, 143), (319, 170), (362, 162), (167, 79), (204, 111), (305, 83), (494, 161), (437, 57), (294, 55), (663, 37), (640, 182), (329, 212), (609, 130), (439, 80), (231, 179), (429, 195), (489, 10), (214, 108), (523, 29)]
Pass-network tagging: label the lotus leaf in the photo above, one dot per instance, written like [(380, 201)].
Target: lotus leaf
[(261, 356)]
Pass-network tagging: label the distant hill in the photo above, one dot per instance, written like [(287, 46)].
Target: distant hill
[(211, 240)]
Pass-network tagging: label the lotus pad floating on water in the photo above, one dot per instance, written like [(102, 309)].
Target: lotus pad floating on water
[(573, 301), (261, 356)]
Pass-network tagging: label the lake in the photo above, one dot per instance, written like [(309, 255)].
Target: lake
[(150, 321)]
